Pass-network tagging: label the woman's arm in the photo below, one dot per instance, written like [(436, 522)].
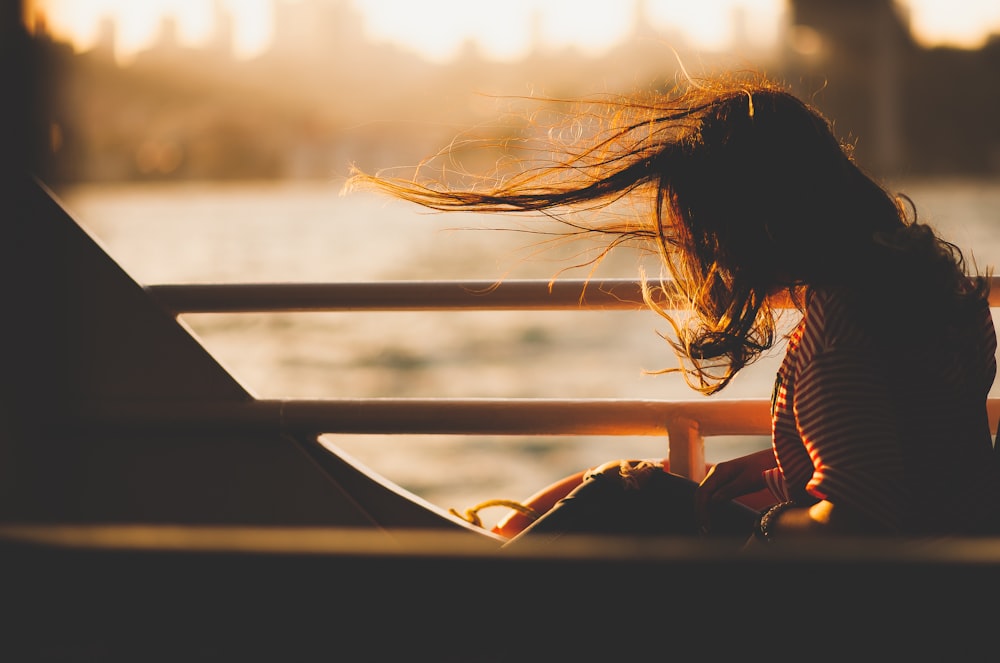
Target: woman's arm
[(787, 523), (731, 479), (540, 502)]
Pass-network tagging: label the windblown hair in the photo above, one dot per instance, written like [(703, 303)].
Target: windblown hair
[(750, 195)]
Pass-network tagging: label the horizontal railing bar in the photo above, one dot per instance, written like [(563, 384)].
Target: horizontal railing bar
[(447, 416), (444, 416), (621, 294), (522, 294)]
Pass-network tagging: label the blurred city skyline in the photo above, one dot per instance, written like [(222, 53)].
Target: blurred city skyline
[(438, 30), (325, 94)]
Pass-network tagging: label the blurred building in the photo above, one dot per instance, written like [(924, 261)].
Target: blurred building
[(912, 110)]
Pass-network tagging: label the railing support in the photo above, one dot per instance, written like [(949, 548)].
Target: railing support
[(686, 450)]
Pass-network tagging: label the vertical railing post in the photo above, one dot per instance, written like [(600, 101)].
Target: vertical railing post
[(686, 448)]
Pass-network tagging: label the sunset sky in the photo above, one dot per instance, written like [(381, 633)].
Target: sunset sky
[(436, 28)]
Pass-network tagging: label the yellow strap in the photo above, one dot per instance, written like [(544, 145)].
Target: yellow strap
[(472, 515)]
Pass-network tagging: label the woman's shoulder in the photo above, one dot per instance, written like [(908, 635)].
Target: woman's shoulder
[(831, 303), (838, 316), (830, 297)]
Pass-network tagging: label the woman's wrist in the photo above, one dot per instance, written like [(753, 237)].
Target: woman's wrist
[(764, 531)]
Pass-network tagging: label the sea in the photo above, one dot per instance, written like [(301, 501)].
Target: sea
[(310, 231)]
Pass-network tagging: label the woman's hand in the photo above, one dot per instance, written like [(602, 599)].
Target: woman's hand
[(731, 479)]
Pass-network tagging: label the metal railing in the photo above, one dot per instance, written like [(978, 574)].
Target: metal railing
[(685, 423)]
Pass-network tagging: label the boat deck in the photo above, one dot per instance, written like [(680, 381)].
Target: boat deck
[(208, 593)]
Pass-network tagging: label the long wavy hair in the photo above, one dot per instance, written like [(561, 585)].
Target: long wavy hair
[(746, 194)]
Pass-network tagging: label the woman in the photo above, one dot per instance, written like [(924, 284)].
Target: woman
[(879, 407)]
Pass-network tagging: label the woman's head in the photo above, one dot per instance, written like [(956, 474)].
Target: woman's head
[(763, 191), (743, 190)]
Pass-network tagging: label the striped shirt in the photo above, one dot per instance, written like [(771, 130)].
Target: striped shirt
[(899, 433)]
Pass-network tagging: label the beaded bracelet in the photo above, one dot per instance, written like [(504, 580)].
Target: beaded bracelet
[(762, 531)]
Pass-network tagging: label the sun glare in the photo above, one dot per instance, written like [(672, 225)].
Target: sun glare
[(503, 32), (137, 23), (439, 29), (967, 24), (709, 24)]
